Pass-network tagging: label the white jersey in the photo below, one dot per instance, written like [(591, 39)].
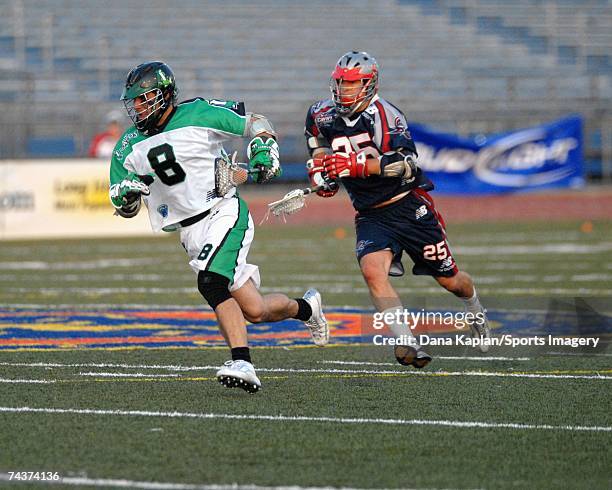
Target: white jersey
[(180, 159)]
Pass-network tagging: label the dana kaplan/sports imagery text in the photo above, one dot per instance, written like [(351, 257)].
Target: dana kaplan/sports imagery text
[(503, 340)]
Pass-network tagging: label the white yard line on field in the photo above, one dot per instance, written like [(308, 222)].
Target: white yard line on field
[(129, 375), (450, 358), (595, 354), (405, 372), (146, 485), (88, 291), (298, 418), (35, 381), (546, 249), (117, 483), (89, 277), (87, 265)]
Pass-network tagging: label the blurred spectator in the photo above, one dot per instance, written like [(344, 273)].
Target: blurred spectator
[(103, 143)]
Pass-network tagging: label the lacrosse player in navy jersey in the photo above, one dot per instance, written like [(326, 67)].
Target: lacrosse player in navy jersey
[(362, 141)]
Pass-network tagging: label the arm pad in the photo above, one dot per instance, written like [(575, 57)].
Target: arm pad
[(398, 164), (257, 125), (315, 143)]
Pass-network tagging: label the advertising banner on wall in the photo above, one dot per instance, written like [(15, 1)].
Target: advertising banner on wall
[(541, 157), (51, 199)]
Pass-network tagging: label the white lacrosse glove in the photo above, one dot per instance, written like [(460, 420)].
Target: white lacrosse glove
[(125, 196)]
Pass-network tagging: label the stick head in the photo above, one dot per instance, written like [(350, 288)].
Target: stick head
[(228, 174), (291, 203)]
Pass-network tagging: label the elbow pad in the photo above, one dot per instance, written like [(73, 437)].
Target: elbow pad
[(256, 125), (315, 143), (398, 164)]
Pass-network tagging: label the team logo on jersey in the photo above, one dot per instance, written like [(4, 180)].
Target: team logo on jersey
[(362, 244), (323, 113), (125, 143), (163, 210), (399, 127), (420, 212), (324, 118)]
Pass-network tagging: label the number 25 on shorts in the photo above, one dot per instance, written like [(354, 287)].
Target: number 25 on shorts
[(439, 251)]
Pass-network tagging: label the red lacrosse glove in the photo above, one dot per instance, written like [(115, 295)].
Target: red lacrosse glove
[(317, 176), (341, 165)]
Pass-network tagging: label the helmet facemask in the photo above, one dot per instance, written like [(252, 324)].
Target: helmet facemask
[(351, 67), (150, 90), (348, 105), (146, 109)]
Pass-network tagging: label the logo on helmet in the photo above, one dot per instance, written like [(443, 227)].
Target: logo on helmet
[(162, 79)]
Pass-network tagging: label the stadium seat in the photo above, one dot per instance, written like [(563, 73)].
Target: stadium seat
[(61, 146)]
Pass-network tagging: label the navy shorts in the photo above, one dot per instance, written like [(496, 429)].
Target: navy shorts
[(411, 225)]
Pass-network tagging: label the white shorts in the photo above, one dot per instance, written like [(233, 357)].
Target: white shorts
[(220, 242)]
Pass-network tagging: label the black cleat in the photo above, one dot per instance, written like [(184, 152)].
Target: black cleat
[(407, 355), (421, 360)]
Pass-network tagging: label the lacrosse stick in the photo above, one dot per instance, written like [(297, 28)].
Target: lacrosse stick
[(229, 174), (291, 203)]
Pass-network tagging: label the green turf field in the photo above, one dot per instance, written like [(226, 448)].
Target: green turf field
[(506, 260), (340, 416)]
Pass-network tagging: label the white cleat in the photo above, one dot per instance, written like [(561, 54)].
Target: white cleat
[(481, 330), (239, 374), (317, 324)]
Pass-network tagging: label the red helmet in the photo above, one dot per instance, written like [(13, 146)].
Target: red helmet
[(353, 66)]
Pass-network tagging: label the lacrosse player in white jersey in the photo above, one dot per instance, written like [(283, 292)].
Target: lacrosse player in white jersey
[(168, 160)]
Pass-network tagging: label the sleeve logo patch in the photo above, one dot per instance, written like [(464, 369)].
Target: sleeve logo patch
[(125, 143)]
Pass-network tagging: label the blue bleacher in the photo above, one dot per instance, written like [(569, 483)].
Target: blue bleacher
[(60, 146), (34, 56), (7, 45)]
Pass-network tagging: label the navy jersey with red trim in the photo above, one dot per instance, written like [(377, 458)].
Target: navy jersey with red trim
[(381, 128)]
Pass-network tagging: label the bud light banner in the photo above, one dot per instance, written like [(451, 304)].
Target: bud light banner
[(541, 157)]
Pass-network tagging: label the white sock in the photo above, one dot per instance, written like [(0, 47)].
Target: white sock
[(399, 328), (472, 304)]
